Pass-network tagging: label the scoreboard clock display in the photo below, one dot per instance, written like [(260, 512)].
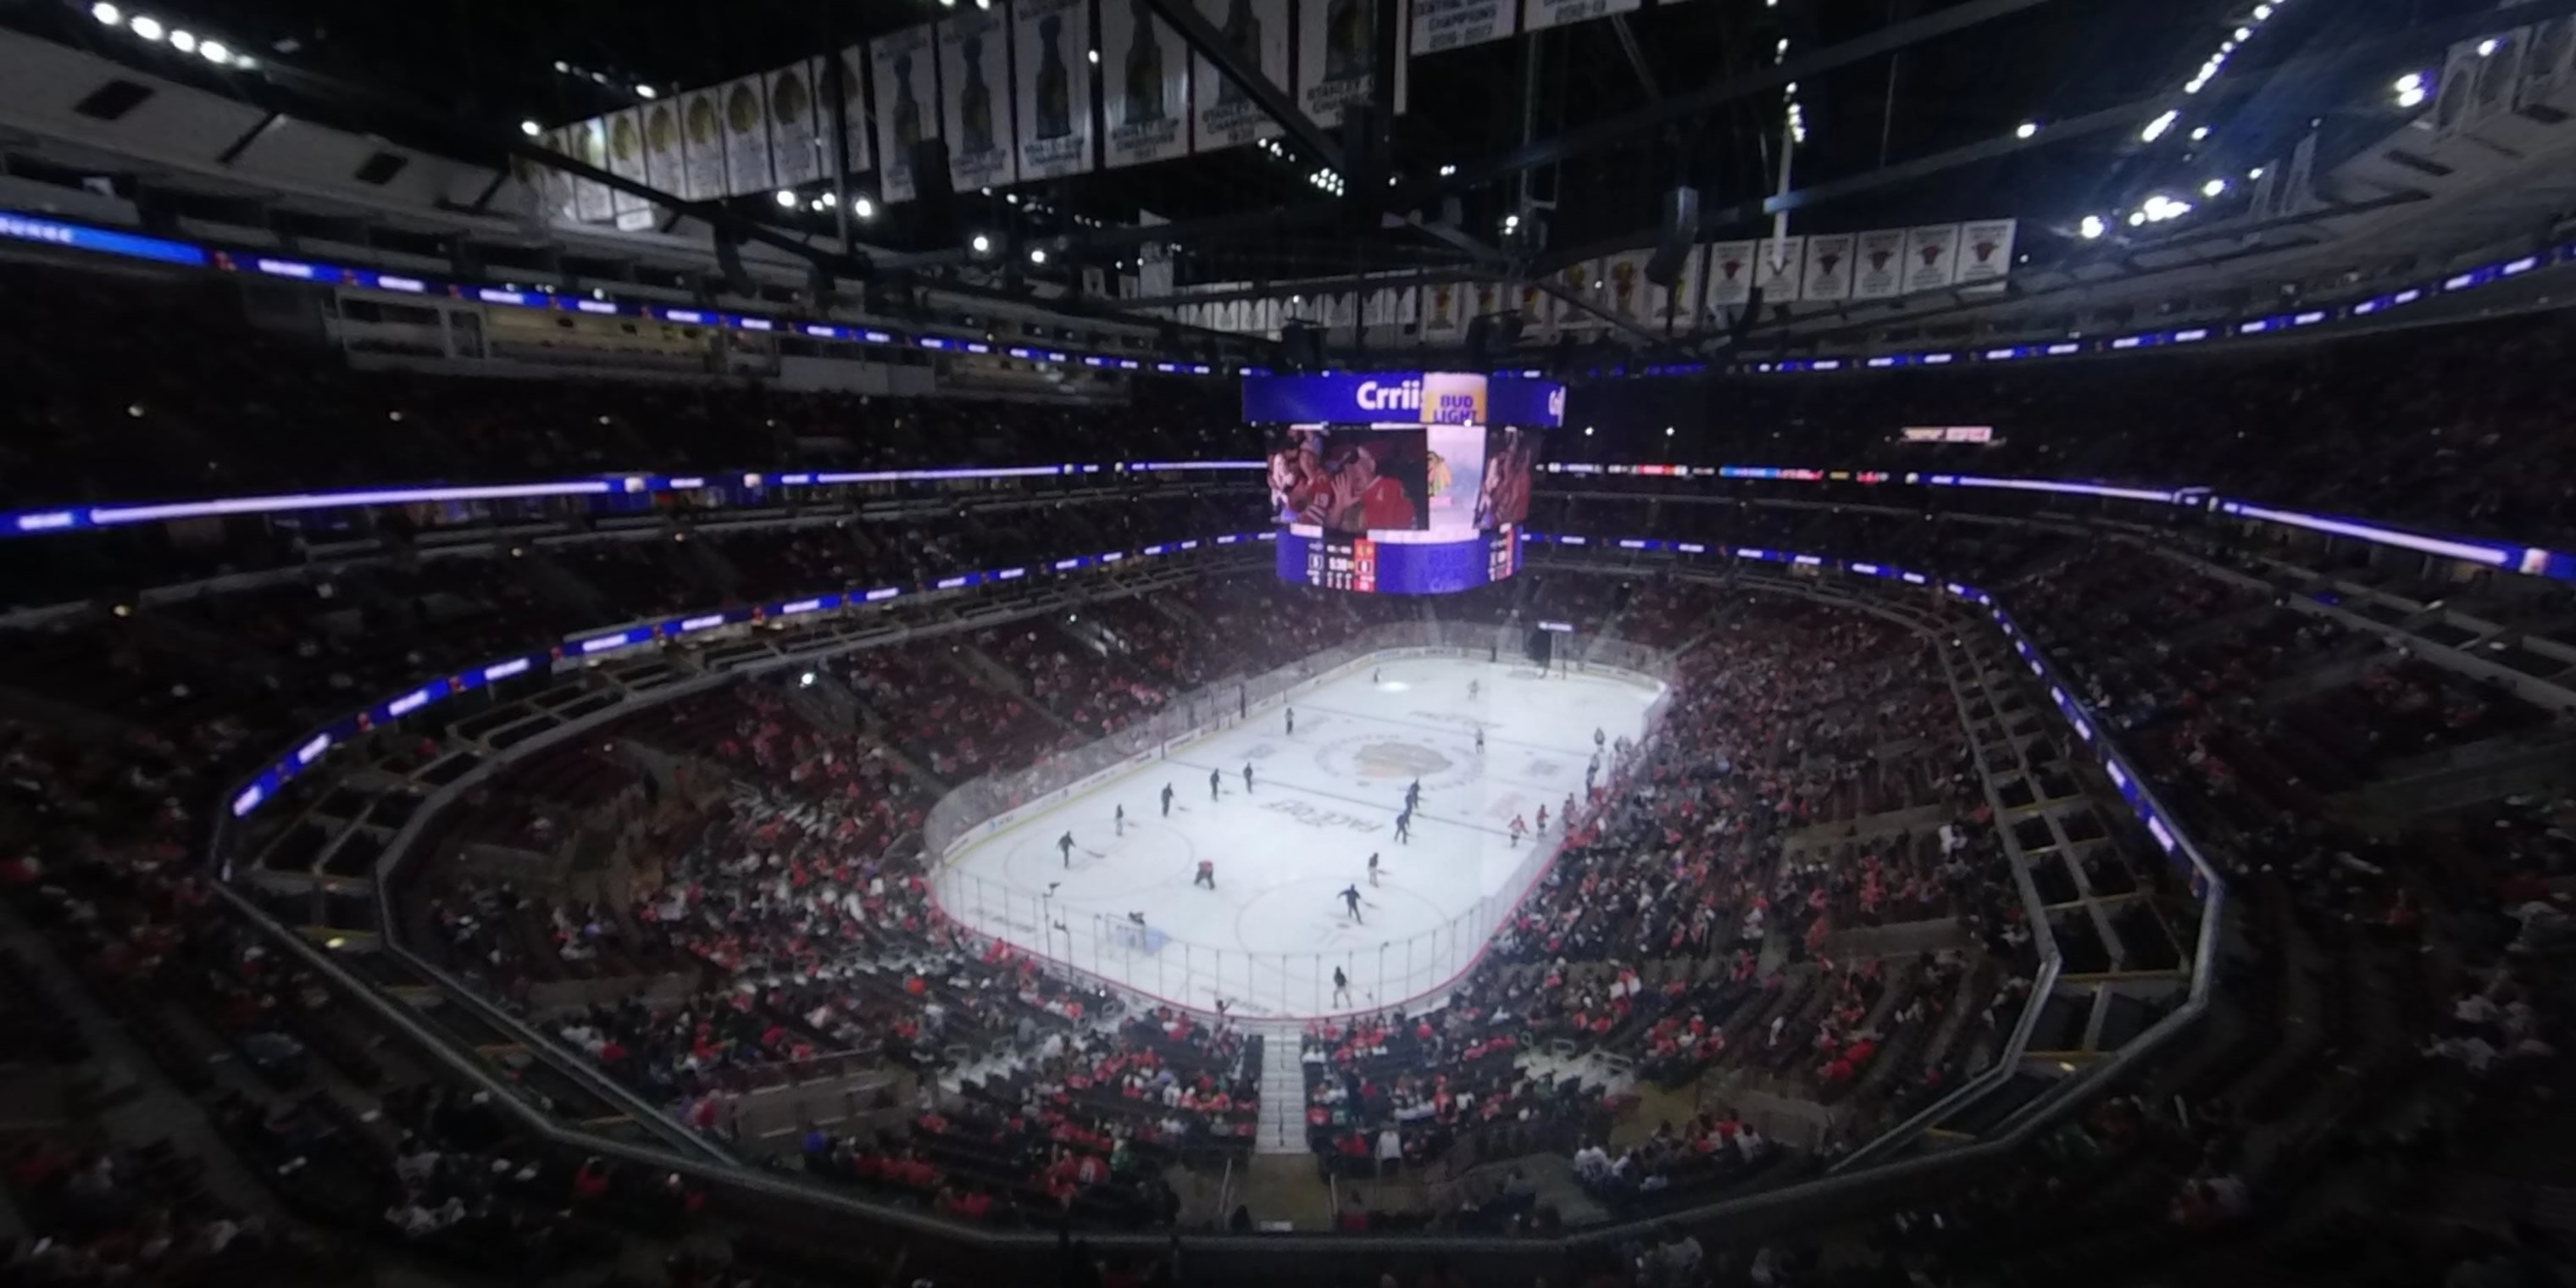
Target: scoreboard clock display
[(1365, 565)]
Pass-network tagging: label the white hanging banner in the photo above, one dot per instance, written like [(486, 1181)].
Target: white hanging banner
[(974, 101), (1337, 56), (1442, 310), (1582, 281), (1539, 15), (1050, 45), (1986, 250), (2500, 72), (746, 122), (554, 188), (2458, 90), (1625, 291), (853, 122), (1931, 257), (1488, 297), (1455, 24), (702, 154), (795, 128), (2546, 65), (1538, 317), (2298, 190), (663, 168), (1145, 77), (591, 202), (1829, 268), (1779, 266), (1879, 273), (1257, 31), (1728, 267), (903, 68), (626, 160)]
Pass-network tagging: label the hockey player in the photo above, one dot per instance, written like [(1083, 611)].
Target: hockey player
[(1064, 846), (1167, 800), (1120, 818), (1207, 874), (1351, 901), (1542, 820), (1372, 869), (1216, 778), (1404, 827), (1247, 778), (1292, 722), (1519, 829)]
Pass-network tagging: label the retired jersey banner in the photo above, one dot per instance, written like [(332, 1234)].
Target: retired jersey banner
[(590, 197), (853, 121), (795, 130), (2547, 64), (1931, 257), (974, 101), (904, 69), (746, 122), (1675, 308), (1145, 77), (1257, 31), (626, 160), (1050, 47), (1829, 268), (1539, 15), (1442, 311), (1879, 273), (1779, 267), (1986, 249), (555, 195), (1337, 56), (1455, 24), (663, 168), (1728, 270), (702, 149)]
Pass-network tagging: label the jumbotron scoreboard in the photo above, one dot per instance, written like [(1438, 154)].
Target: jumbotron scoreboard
[(1400, 483)]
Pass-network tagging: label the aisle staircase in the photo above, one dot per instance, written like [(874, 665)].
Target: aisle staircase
[(1283, 1089)]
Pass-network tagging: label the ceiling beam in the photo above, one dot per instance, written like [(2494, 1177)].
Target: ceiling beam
[(1247, 76)]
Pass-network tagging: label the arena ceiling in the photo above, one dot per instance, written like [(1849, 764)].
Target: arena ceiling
[(1614, 111)]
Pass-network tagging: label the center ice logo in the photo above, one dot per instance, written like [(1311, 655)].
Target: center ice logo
[(1405, 760)]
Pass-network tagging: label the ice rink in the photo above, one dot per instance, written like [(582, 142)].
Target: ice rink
[(1268, 938)]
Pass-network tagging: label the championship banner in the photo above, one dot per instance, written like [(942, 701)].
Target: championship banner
[(2458, 90), (1675, 309), (1539, 15), (1829, 268), (746, 122), (1627, 294), (662, 166), (1880, 272), (1441, 311), (1728, 268), (906, 77), (1408, 308), (1931, 257), (1779, 268), (555, 188), (2548, 63), (1440, 25), (1257, 30), (1986, 250), (1532, 305), (974, 110), (1050, 41), (1582, 281), (626, 161), (1146, 78), (1489, 299), (795, 129), (590, 197), (702, 149), (1337, 56), (853, 122)]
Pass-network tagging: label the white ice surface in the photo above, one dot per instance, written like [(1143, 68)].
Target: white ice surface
[(1269, 937)]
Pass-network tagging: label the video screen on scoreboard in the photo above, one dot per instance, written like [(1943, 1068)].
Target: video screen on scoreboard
[(1503, 491), (1354, 479)]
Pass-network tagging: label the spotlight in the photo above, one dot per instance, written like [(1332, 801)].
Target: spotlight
[(787, 198), (644, 91), (2410, 98), (184, 41), (106, 13), (2156, 128), (806, 680), (864, 208), (2026, 129), (214, 51), (2255, 173), (2487, 47), (982, 244), (1037, 254), (530, 128), (1095, 57), (145, 26), (2090, 227), (2199, 132), (2213, 187), (2410, 82)]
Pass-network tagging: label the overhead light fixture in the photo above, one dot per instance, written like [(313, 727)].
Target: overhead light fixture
[(982, 244), (2213, 188), (2411, 97), (787, 198), (1095, 57), (1037, 254), (184, 41), (2156, 128), (2090, 227), (2253, 174), (864, 208), (830, 198), (2026, 129), (2410, 81), (107, 14), (2199, 132), (645, 91), (146, 26), (530, 128), (2488, 46)]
